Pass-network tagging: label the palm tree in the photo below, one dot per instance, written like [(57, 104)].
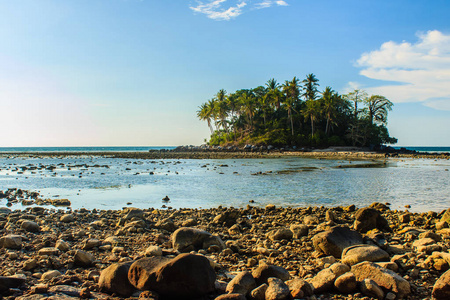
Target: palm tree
[(330, 102), (356, 96), (310, 87), (377, 108), (204, 114), (273, 93), (312, 111), (248, 105), (222, 108), (292, 92)]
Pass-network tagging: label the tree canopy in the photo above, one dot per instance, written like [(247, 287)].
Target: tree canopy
[(296, 113)]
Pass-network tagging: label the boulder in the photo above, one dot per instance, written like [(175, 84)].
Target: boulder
[(188, 239), (186, 276), (369, 218), (259, 293), (243, 284), (299, 230), (153, 251), (346, 283), (30, 226), (371, 289), (446, 216), (385, 278), (359, 253), (67, 218), (441, 289), (62, 245), (50, 275), (10, 282), (83, 258), (276, 290), (264, 272), (280, 234), (335, 240), (324, 280), (114, 279), (133, 212), (300, 288), (11, 241)]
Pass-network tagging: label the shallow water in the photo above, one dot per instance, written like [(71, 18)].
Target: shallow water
[(110, 183)]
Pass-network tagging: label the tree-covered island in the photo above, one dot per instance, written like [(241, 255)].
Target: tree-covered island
[(296, 113)]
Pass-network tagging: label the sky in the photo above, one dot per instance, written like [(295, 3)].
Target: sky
[(133, 72)]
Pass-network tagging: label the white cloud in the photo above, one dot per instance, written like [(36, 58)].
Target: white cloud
[(422, 70), (223, 10)]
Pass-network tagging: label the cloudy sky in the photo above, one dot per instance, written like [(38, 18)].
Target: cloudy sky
[(133, 72)]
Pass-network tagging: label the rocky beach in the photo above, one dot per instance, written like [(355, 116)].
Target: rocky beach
[(225, 253)]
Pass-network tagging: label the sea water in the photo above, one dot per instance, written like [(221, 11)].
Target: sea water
[(113, 183)]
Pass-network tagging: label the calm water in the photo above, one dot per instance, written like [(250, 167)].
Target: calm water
[(108, 183), (82, 149)]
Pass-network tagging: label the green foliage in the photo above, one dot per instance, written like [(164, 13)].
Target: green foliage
[(277, 115)]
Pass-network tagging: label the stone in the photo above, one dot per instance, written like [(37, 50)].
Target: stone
[(133, 212), (83, 258), (346, 283), (299, 230), (30, 264), (67, 218), (91, 243), (231, 297), (30, 226), (62, 245), (441, 288), (446, 216), (264, 272), (300, 288), (385, 278), (11, 241), (153, 251), (371, 289), (243, 284), (48, 251), (324, 280), (186, 239), (280, 234), (187, 276), (310, 220), (114, 279), (358, 253), (369, 218), (10, 282), (50, 275), (335, 240), (259, 293), (66, 290), (276, 290)]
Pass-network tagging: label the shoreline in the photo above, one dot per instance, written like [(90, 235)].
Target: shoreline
[(46, 257)]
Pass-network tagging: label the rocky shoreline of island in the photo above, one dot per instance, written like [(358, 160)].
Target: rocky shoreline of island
[(225, 253)]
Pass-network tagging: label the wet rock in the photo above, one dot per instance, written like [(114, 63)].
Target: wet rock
[(10, 282), (386, 279), (280, 234), (300, 288), (186, 276), (114, 279), (264, 271), (368, 218), (243, 284), (11, 241), (299, 230), (371, 289), (187, 239), (276, 290), (346, 283), (358, 253), (441, 289), (83, 258), (31, 226), (335, 240)]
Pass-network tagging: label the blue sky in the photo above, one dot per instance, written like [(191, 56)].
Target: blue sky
[(133, 72)]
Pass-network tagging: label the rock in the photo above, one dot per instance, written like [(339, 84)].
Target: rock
[(346, 283), (186, 276), (91, 243), (231, 297), (259, 293), (263, 272), (330, 216), (83, 258), (280, 234), (441, 289), (48, 251), (11, 241), (153, 251), (405, 218), (335, 240), (62, 245), (385, 278), (358, 253), (50, 275), (299, 230), (369, 218), (187, 239), (67, 218), (228, 218), (66, 290), (114, 279), (300, 288), (370, 288), (324, 280), (30, 264), (243, 284), (133, 212), (310, 220), (276, 290), (31, 226), (446, 216), (9, 282)]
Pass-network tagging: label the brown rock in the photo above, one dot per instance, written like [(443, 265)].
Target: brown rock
[(243, 284), (277, 289), (346, 283), (358, 253), (10, 282), (11, 241), (441, 289), (259, 293), (231, 297), (369, 218), (335, 240), (263, 272), (370, 288), (300, 288), (114, 279)]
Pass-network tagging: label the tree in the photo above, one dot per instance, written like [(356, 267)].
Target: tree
[(274, 94), (330, 103), (204, 114), (310, 87), (292, 92), (377, 109), (356, 97), (312, 111), (221, 108)]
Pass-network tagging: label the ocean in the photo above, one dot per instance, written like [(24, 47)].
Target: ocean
[(113, 183)]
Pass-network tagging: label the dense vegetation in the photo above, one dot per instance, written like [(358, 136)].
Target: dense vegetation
[(297, 114)]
